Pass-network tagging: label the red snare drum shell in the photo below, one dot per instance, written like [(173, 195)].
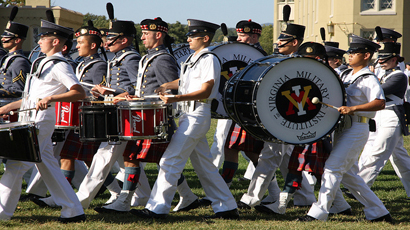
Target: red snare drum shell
[(142, 122), (67, 114)]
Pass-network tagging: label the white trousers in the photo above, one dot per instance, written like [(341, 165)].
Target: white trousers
[(273, 156), (217, 148), (36, 184), (386, 143), (101, 165), (10, 183), (341, 167), (189, 141)]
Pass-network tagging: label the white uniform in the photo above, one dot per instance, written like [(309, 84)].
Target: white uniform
[(189, 141), (341, 166), (387, 141), (54, 79)]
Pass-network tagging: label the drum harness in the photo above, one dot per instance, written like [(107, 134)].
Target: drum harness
[(35, 71), (144, 66), (79, 73), (115, 61), (347, 120), (6, 62), (189, 106)]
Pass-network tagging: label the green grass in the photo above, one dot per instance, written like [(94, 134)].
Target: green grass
[(387, 186)]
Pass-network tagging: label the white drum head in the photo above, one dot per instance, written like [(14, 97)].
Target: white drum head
[(234, 57), (284, 100)]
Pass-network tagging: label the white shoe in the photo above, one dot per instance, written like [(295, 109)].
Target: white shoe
[(138, 201), (284, 199), (112, 199), (122, 204)]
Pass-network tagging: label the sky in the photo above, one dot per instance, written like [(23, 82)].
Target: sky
[(216, 11)]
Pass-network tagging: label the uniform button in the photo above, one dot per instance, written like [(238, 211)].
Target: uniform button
[(120, 63), (145, 75), (143, 86), (92, 58), (146, 70), (111, 69), (119, 69), (81, 81), (86, 71), (2, 83), (83, 65), (118, 83), (84, 75), (118, 78), (4, 74), (142, 92), (145, 81), (118, 74), (4, 78)]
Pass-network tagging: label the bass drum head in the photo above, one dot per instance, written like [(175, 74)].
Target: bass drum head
[(182, 52), (234, 57), (284, 100)]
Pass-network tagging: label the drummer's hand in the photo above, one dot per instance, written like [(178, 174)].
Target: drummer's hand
[(161, 89), (167, 100), (100, 89), (4, 110), (345, 110), (43, 103)]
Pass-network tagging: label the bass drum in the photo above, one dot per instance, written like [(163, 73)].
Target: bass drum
[(272, 99), (234, 57)]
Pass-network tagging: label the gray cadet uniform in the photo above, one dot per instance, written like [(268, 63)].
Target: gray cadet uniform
[(92, 70), (14, 67), (123, 71)]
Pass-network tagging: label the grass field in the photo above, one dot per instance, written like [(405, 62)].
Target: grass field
[(387, 186)]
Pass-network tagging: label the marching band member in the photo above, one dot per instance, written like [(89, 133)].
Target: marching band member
[(335, 56), (198, 84), (92, 70), (14, 65), (51, 85), (156, 68), (121, 76), (309, 158), (364, 97), (230, 138), (275, 155)]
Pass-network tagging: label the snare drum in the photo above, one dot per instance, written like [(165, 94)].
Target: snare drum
[(272, 99), (19, 142), (67, 115), (145, 119), (98, 122), (11, 118), (234, 57)]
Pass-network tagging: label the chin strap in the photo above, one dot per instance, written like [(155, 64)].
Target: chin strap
[(112, 43), (280, 46)]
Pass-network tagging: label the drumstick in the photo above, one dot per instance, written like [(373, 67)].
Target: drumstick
[(23, 110), (157, 96), (91, 85), (96, 102), (316, 100)]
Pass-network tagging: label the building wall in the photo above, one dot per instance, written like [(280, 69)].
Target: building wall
[(347, 17), (31, 17)]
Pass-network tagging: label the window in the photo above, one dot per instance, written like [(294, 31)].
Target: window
[(36, 31), (377, 7), (368, 34)]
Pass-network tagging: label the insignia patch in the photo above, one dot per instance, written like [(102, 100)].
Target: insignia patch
[(8, 25), (309, 50), (351, 39), (83, 31), (247, 29), (152, 27), (381, 46)]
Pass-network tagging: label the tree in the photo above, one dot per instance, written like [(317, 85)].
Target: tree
[(6, 3), (178, 32), (99, 21), (266, 39)]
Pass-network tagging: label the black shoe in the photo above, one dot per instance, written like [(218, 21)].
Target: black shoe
[(348, 193), (347, 212), (29, 196), (266, 203), (387, 218), (147, 214), (74, 219), (106, 210), (242, 205), (264, 209), (205, 202), (191, 206), (227, 215), (41, 203), (101, 191), (306, 218)]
